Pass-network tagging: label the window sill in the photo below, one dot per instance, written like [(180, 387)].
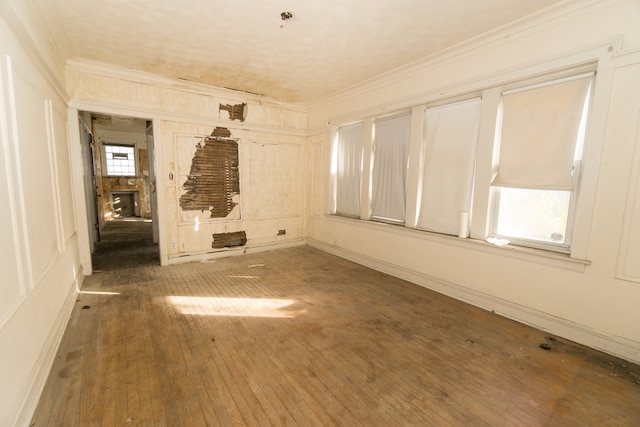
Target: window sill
[(539, 256)]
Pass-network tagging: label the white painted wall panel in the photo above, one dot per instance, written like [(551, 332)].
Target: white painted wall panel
[(12, 291), (276, 167), (629, 253), (34, 303), (65, 187), (275, 180), (36, 176), (317, 164)]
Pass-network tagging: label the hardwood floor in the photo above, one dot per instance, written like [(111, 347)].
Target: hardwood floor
[(302, 338)]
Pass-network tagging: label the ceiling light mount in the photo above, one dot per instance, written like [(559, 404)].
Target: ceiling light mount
[(285, 17)]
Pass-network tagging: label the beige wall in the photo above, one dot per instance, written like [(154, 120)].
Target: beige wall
[(284, 165), (590, 297), (39, 252), (272, 150)]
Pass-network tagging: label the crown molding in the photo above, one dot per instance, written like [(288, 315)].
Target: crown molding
[(15, 22), (508, 33), (143, 77)]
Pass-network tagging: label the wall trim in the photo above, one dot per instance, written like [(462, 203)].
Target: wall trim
[(613, 345), (520, 28), (118, 109), (34, 52), (47, 356), (240, 250), (138, 76), (460, 89), (538, 256)]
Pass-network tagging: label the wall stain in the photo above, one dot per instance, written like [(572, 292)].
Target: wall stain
[(214, 178)]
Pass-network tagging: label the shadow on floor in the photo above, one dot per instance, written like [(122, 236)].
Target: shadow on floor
[(125, 243)]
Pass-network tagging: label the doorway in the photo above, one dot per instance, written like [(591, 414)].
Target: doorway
[(125, 204), (119, 180)]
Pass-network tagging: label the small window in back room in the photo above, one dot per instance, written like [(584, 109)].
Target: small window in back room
[(120, 160)]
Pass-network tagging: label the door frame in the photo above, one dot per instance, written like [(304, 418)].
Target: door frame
[(82, 212)]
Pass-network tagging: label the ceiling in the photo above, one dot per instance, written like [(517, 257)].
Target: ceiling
[(326, 46)]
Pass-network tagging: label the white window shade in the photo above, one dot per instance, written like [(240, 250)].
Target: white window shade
[(539, 132), (349, 169), (450, 146), (389, 172)]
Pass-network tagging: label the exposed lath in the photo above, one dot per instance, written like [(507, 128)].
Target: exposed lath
[(214, 178), (229, 240), (236, 112)]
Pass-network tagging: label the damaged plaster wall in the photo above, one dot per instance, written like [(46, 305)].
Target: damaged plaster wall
[(271, 196), (229, 240), (267, 208), (213, 180), (272, 149)]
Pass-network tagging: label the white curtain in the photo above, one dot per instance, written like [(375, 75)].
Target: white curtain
[(539, 132), (450, 149), (389, 172), (349, 169)]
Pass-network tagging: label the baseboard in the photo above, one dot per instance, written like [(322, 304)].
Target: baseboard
[(48, 355), (239, 250), (613, 345)]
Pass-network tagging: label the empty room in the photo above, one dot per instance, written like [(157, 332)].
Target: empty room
[(362, 213)]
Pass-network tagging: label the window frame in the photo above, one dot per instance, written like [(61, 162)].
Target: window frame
[(105, 163), (335, 150), (566, 246), (597, 59), (379, 218)]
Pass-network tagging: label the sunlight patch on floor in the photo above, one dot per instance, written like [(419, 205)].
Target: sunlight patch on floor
[(99, 293), (242, 307)]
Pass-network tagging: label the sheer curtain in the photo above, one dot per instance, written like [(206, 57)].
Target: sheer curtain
[(349, 169), (389, 171), (450, 147)]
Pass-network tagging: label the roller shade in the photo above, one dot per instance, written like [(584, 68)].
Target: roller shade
[(450, 147), (539, 132)]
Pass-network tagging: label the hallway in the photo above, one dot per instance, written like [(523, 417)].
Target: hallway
[(125, 243)]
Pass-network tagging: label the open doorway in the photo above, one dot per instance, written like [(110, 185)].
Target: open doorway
[(118, 157)]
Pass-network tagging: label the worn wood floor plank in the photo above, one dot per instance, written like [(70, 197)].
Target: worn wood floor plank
[(298, 337)]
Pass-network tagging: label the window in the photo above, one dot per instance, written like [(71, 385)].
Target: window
[(505, 165), (540, 146), (451, 136), (389, 170), (347, 168), (120, 160)]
